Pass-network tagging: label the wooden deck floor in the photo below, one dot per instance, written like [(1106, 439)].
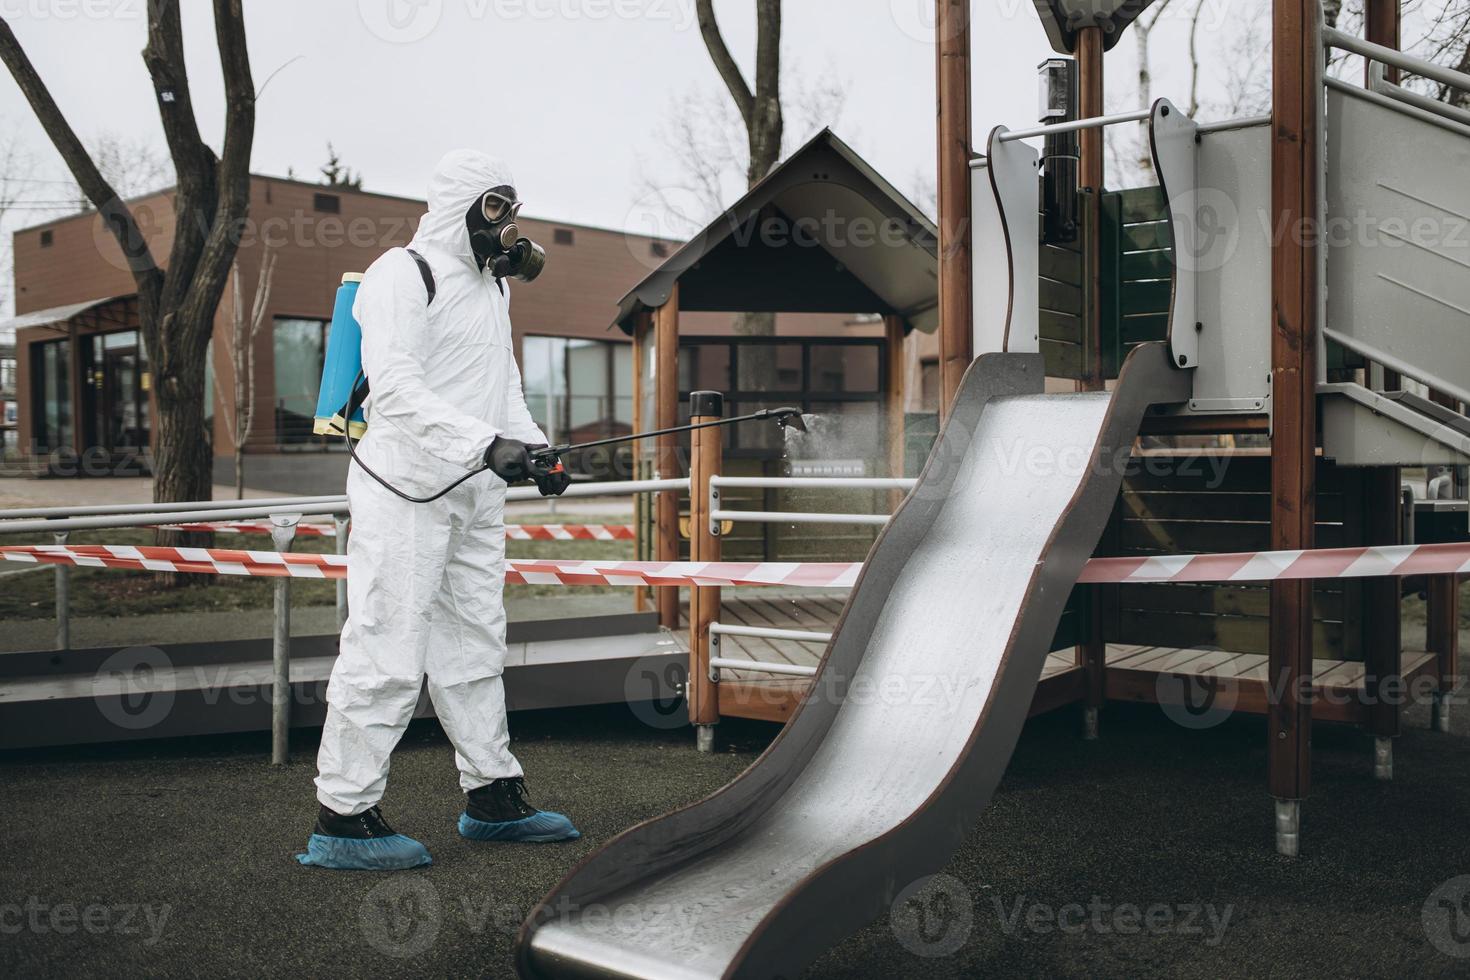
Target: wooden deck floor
[(1132, 671)]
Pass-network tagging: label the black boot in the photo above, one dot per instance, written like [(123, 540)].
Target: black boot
[(500, 811), (361, 842)]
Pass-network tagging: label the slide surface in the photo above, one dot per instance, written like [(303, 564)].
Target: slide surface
[(911, 718)]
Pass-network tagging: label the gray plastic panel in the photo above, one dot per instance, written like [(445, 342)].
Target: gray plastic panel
[(912, 717), (1398, 237)]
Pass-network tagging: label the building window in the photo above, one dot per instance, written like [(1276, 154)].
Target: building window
[(578, 390), (562, 236), (842, 379), (327, 203), (51, 395), (47, 237), (299, 346)]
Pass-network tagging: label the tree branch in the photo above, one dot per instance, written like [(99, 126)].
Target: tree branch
[(115, 214), (709, 29)]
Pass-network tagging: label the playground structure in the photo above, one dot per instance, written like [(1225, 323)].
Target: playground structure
[(1169, 332), (1168, 337)]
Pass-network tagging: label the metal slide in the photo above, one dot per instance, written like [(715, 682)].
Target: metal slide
[(912, 715)]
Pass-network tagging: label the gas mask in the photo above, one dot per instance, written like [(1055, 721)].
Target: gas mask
[(496, 240)]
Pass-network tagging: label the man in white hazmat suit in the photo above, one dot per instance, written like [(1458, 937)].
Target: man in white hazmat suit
[(425, 579)]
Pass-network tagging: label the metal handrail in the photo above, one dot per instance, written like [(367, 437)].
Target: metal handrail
[(796, 517), (761, 666), (1379, 83), (1073, 125), (1333, 38), (815, 482), (293, 504), (1398, 364), (768, 633), (1395, 105), (199, 511)]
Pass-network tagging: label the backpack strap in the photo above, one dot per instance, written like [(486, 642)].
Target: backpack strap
[(424, 271)]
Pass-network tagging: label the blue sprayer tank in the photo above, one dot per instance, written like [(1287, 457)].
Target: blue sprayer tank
[(342, 365)]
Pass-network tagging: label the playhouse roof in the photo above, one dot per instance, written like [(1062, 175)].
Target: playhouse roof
[(823, 232), (1064, 18)]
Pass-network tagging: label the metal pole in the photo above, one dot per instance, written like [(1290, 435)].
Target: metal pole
[(63, 599), (283, 533), (344, 527)]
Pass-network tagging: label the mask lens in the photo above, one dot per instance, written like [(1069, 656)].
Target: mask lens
[(496, 208)]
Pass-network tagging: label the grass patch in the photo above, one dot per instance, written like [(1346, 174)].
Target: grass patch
[(101, 592)]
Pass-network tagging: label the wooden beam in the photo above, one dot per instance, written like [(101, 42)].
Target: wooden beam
[(666, 450), (707, 447), (897, 377), (1295, 127), (1090, 178), (642, 325), (956, 286), (1382, 25)]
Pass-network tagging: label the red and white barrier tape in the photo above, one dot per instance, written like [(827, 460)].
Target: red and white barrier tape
[(570, 532), (1263, 566), (515, 532), (1267, 566), (253, 527), (219, 561)]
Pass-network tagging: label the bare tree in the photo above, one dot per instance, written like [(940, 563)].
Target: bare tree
[(760, 108), (131, 166), (177, 302), (240, 410), (15, 160)]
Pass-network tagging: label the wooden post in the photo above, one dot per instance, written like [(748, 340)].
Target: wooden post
[(1296, 94), (897, 370), (1090, 170), (666, 449), (642, 323), (956, 342), (1382, 639), (1442, 623), (704, 545), (1092, 651)]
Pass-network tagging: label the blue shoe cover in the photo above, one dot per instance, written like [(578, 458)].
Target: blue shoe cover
[(538, 828), (373, 854)]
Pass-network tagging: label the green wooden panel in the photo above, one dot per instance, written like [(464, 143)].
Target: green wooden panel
[(1064, 327), (1061, 297), (1147, 265), (1063, 360), (1138, 204), (1146, 237), (1232, 633), (1141, 329), (1141, 298), (1061, 264)]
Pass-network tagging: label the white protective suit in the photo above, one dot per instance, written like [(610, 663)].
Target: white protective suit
[(425, 581)]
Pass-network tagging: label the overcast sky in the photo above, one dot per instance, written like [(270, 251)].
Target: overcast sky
[(571, 92)]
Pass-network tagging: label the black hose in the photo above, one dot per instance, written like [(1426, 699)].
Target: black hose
[(354, 401)]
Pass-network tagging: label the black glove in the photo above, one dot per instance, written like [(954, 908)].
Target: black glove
[(550, 475), (510, 459)]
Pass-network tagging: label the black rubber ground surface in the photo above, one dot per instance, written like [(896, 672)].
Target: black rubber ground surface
[(1152, 846)]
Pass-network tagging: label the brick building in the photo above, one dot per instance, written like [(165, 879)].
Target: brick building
[(82, 384)]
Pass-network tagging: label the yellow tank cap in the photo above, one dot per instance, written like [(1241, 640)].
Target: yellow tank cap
[(351, 277)]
